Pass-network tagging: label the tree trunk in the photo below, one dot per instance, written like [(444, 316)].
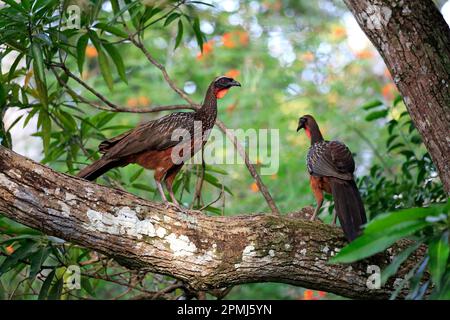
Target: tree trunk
[(414, 41), (205, 252)]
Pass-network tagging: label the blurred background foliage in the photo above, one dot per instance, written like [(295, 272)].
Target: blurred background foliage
[(292, 58)]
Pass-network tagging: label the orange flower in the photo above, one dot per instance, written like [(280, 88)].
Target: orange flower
[(307, 56), (365, 54), (9, 249), (227, 40), (91, 52), (143, 101), (231, 39), (233, 73), (322, 294), (243, 37), (254, 187), (338, 32), (132, 102), (308, 295), (208, 47), (388, 91)]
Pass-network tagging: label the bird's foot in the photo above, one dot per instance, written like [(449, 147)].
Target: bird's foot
[(176, 205)]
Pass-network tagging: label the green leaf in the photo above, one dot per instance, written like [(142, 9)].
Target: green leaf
[(369, 244), (396, 263), (43, 293), (136, 175), (111, 29), (38, 60), (56, 290), (117, 59), (102, 59), (46, 129), (198, 33), (171, 18), (179, 34), (203, 3), (387, 221), (86, 285), (372, 104), (26, 249), (2, 95), (143, 187), (37, 260), (81, 51), (15, 5), (377, 115), (438, 250)]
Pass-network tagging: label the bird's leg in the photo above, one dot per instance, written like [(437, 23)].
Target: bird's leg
[(319, 205), (318, 194), (161, 191), (334, 218), (169, 178)]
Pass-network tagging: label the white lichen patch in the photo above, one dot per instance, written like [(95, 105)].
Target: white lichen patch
[(69, 196), (65, 209), (248, 251), (161, 232), (325, 249), (271, 253), (303, 252), (39, 171), (180, 245), (125, 222), (287, 246)]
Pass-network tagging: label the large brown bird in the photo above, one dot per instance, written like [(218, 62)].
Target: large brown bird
[(151, 144), (331, 166)]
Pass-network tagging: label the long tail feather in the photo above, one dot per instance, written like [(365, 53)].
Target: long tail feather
[(349, 207), (96, 169)]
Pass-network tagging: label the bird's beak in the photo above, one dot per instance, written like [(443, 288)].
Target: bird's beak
[(301, 124), (234, 83)]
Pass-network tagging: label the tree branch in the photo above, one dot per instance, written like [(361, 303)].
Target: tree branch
[(203, 252)]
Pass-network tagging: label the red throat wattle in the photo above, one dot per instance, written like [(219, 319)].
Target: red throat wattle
[(221, 93), (308, 133)]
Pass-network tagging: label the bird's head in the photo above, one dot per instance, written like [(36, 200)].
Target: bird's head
[(221, 85), (305, 122)]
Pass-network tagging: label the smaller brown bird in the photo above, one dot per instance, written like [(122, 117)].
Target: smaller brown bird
[(331, 166), (155, 144)]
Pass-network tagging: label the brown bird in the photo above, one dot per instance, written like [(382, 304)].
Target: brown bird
[(331, 166), (152, 144)]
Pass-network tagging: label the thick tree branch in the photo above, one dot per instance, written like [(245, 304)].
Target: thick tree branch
[(202, 251), (414, 41)]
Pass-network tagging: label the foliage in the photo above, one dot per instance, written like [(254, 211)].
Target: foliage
[(292, 58), (429, 226)]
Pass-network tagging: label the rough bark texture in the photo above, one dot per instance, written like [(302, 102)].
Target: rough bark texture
[(205, 252), (414, 41)]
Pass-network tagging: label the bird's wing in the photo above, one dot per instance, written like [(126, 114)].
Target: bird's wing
[(331, 159), (153, 135)]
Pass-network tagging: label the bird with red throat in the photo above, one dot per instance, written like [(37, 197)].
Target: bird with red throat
[(331, 167), (151, 144)]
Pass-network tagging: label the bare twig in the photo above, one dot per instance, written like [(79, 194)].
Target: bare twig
[(262, 187)]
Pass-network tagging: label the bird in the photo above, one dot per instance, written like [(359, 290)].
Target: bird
[(156, 144), (331, 167)]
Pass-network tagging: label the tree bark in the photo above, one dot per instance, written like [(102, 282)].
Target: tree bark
[(414, 41), (204, 252)]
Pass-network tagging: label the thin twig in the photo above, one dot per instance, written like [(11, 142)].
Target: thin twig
[(262, 187)]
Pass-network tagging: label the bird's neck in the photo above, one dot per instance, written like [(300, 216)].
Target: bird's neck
[(313, 133), (208, 111)]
